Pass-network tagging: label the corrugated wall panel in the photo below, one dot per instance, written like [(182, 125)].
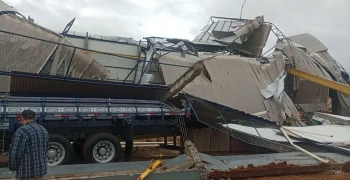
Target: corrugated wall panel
[(78, 42), (110, 47), (117, 74), (55, 86), (114, 61)]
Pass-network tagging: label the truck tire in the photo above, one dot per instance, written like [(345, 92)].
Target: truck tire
[(102, 148), (60, 150)]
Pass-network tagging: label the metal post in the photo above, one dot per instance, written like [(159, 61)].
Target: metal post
[(131, 72), (138, 60), (143, 65), (144, 71), (71, 59), (86, 42), (165, 139), (174, 138), (129, 142)]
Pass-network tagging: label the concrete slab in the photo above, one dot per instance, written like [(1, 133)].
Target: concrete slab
[(191, 174), (295, 158), (220, 163), (174, 175), (97, 168)]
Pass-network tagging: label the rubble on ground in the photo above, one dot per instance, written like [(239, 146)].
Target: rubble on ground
[(240, 94)]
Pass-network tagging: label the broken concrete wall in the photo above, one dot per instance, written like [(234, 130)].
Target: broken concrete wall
[(25, 54), (235, 82)]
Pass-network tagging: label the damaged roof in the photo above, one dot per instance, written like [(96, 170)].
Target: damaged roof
[(27, 84), (309, 41), (127, 40), (245, 36), (28, 47), (6, 8), (224, 32), (235, 82)]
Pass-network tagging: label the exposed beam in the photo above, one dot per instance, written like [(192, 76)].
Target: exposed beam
[(186, 78), (319, 80)]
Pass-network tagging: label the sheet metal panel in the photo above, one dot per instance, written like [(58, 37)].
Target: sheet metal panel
[(78, 42), (27, 54), (46, 86), (266, 133), (6, 7), (219, 26), (308, 63), (334, 119), (326, 134), (110, 47), (117, 74), (241, 29), (113, 61), (309, 41), (217, 115), (234, 82), (256, 41), (121, 40), (227, 26)]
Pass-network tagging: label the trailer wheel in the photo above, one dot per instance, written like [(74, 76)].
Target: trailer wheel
[(102, 148), (60, 150)]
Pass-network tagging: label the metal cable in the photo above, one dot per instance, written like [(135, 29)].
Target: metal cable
[(240, 16), (217, 127), (4, 131)]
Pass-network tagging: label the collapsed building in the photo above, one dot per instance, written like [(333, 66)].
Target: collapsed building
[(222, 72), (49, 58)]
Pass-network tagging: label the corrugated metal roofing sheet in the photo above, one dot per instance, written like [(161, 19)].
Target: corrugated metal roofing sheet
[(104, 37), (25, 84), (214, 114), (326, 134), (20, 50), (266, 133), (235, 82), (227, 31), (309, 41), (6, 7)]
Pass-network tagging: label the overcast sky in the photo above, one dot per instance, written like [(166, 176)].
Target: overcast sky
[(325, 19)]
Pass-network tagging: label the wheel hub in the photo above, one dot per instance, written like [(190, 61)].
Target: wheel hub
[(55, 154), (104, 152), (52, 153)]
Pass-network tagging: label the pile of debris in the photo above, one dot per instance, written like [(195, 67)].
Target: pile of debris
[(279, 102)]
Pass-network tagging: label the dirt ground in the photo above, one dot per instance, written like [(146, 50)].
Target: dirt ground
[(345, 176)]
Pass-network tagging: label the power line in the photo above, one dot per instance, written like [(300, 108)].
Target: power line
[(240, 17)]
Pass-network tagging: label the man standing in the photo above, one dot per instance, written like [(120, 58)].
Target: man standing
[(28, 149)]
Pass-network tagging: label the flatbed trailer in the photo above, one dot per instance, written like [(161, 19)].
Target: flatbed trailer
[(91, 127)]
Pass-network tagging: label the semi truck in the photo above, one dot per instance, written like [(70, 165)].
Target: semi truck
[(92, 127)]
